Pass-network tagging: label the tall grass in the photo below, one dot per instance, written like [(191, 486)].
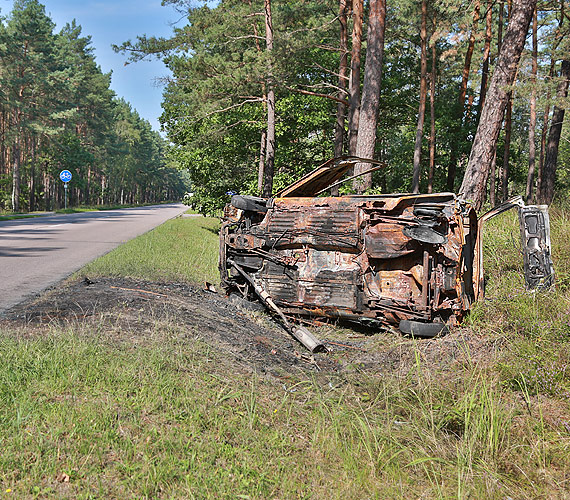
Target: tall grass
[(84, 418)]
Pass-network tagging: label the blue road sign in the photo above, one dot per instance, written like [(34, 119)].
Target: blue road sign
[(65, 175)]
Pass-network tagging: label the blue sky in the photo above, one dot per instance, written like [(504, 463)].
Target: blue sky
[(115, 21)]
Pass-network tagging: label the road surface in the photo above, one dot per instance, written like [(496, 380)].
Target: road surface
[(38, 253)]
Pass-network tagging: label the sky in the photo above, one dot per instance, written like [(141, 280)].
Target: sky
[(113, 22)]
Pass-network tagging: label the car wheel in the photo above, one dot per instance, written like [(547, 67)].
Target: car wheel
[(418, 329), (250, 203)]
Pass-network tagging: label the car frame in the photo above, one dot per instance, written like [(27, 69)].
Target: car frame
[(413, 261)]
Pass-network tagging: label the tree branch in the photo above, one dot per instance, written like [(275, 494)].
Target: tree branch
[(316, 94)]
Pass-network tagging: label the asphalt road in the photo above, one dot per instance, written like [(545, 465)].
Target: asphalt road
[(37, 253)]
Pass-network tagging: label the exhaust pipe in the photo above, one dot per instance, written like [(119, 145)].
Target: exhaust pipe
[(299, 332)]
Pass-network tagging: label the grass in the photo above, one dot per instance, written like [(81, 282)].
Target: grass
[(82, 416), (74, 210), (19, 216), (182, 249), (85, 418)]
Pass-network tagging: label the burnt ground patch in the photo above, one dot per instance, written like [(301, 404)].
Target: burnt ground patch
[(129, 310)]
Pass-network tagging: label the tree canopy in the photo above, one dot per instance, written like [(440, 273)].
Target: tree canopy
[(215, 105)]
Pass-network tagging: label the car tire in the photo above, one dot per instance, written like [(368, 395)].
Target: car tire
[(250, 203), (417, 329)]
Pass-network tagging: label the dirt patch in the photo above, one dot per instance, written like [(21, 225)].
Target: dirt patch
[(132, 310)]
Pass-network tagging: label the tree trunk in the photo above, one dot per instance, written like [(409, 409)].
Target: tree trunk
[(422, 107), (432, 114), (469, 55), (493, 173), (532, 119), (261, 163), (342, 79), (492, 181), (551, 158), (452, 168), (508, 130), (486, 55), (507, 148), (354, 85), (88, 186), (500, 28), (544, 132), (484, 143), (32, 204), (370, 92), (270, 149), (16, 175), (263, 142), (342, 84)]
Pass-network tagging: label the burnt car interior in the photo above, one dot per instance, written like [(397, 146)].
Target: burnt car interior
[(411, 261)]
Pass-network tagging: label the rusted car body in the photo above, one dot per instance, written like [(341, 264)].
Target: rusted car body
[(409, 260)]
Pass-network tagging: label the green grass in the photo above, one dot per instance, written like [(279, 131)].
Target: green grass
[(76, 210), (85, 418), (19, 216), (182, 249), (82, 416)]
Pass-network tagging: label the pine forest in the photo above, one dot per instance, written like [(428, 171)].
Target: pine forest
[(57, 112)]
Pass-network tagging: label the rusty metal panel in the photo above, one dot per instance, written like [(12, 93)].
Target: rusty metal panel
[(320, 226), (388, 241)]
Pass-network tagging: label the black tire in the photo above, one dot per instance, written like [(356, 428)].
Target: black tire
[(417, 329), (250, 203)]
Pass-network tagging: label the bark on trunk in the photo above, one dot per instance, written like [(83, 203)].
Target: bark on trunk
[(270, 148), (469, 55), (422, 107), (551, 158), (544, 133), (492, 181), (16, 175), (453, 157), (342, 84), (500, 28), (261, 163), (486, 54), (493, 173), (507, 149), (354, 86), (532, 119), (370, 91), (32, 204), (263, 142), (432, 115), (484, 143)]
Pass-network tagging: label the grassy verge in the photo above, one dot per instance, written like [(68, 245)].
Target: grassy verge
[(82, 417), (19, 216), (182, 249), (76, 210)]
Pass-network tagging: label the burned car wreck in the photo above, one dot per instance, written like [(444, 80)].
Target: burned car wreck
[(414, 261)]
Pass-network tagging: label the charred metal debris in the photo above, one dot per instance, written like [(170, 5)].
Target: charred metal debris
[(414, 261)]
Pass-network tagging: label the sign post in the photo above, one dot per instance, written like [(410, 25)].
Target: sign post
[(65, 176)]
